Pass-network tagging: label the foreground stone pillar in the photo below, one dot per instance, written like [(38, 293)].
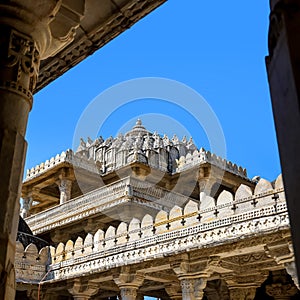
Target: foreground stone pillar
[(19, 62), (27, 34), (284, 80), (192, 288)]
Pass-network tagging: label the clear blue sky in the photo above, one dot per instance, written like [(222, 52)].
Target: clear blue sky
[(215, 47)]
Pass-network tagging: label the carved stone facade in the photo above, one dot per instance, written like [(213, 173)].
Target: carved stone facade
[(138, 234)]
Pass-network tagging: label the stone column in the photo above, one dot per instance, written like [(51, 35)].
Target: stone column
[(192, 275), (129, 283), (243, 284), (128, 292), (27, 34), (83, 290), (65, 186), (19, 61), (26, 205), (192, 288), (20, 50)]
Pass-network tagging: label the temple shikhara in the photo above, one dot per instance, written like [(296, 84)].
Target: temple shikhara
[(147, 215)]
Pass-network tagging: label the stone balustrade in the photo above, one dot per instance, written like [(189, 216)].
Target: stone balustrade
[(210, 223), (31, 264), (125, 190), (202, 156), (48, 164), (68, 156), (184, 162)]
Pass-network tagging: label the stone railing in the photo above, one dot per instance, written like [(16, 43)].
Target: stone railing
[(184, 162), (203, 156), (194, 226), (68, 156), (122, 191), (48, 164), (31, 264)]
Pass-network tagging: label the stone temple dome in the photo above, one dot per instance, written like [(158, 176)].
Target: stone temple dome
[(137, 145), (137, 130)]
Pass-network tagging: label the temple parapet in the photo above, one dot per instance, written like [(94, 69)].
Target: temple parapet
[(202, 156), (31, 264), (194, 226), (127, 190)]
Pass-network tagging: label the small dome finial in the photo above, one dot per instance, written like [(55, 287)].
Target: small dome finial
[(138, 122)]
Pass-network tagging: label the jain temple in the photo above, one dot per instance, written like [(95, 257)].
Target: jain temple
[(146, 215)]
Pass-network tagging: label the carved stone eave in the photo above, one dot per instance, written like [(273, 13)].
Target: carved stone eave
[(102, 22)]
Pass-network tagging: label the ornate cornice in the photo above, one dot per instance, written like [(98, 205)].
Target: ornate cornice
[(87, 43)]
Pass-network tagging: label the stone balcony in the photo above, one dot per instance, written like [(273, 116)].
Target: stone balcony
[(128, 190)]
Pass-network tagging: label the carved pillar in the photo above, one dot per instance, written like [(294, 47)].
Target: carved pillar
[(65, 186), (128, 292), (192, 288), (243, 284), (192, 275), (26, 205), (283, 254), (19, 61), (205, 181), (27, 34), (19, 64), (83, 290), (129, 283)]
